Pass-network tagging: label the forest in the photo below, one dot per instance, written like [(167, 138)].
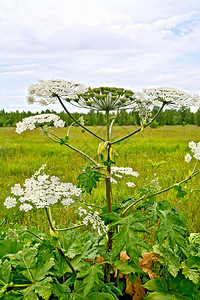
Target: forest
[(182, 116)]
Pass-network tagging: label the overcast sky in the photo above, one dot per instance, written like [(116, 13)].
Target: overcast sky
[(124, 43)]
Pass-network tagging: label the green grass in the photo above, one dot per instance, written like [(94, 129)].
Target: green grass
[(21, 155)]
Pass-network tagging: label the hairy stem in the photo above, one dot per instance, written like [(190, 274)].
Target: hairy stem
[(78, 123), (139, 129)]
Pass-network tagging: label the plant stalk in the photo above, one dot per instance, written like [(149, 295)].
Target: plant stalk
[(139, 129), (78, 123), (49, 218), (160, 192)]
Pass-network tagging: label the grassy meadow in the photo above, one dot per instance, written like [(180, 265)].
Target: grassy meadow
[(153, 153)]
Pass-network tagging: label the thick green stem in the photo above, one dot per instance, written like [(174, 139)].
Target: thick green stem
[(107, 126), (109, 209)]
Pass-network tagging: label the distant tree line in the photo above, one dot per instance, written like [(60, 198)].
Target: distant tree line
[(182, 116)]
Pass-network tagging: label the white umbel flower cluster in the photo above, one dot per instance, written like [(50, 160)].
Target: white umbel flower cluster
[(42, 191), (92, 217), (195, 149), (46, 92), (170, 96), (119, 172), (34, 121)]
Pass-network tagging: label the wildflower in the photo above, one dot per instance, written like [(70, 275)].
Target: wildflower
[(112, 180), (130, 184), (188, 158), (42, 191), (124, 170), (195, 149), (10, 202), (93, 218), (47, 92), (34, 121), (170, 96)]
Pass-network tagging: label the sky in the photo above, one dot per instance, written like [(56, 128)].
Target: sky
[(132, 44)]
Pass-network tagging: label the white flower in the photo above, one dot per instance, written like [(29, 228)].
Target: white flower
[(171, 96), (192, 145), (130, 184), (112, 180), (46, 92), (93, 218), (195, 149), (188, 158), (32, 122), (25, 207), (126, 171), (10, 202), (41, 191)]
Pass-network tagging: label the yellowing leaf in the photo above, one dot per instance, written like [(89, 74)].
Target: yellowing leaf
[(135, 288), (146, 261)]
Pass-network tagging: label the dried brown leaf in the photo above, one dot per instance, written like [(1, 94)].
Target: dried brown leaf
[(134, 289), (146, 262)]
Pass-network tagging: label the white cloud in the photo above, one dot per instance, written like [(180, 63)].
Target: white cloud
[(127, 43)]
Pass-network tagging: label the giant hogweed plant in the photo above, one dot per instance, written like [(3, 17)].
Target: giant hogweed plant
[(105, 254)]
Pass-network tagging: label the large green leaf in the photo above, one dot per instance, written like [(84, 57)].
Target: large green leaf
[(128, 236), (191, 269), (92, 276), (43, 288), (5, 276), (127, 267), (177, 288), (169, 258), (61, 291), (171, 227)]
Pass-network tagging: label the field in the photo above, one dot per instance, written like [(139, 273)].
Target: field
[(154, 153)]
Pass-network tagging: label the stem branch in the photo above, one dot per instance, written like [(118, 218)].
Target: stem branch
[(160, 192), (139, 129)]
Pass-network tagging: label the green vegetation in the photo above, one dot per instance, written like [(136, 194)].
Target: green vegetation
[(157, 151), (182, 116)]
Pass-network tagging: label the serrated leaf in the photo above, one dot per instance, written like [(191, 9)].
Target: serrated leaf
[(39, 271), (191, 268), (128, 236), (179, 286), (92, 277), (62, 291), (171, 227), (180, 192), (156, 285), (126, 267), (43, 288), (87, 180), (5, 273), (191, 274), (169, 258)]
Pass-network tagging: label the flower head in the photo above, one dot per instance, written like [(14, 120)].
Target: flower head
[(42, 191), (195, 149), (46, 92), (104, 99), (92, 217), (32, 122), (170, 96)]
